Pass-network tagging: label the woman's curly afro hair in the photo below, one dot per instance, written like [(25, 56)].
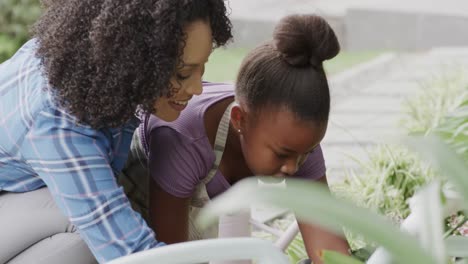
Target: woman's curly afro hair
[(104, 58)]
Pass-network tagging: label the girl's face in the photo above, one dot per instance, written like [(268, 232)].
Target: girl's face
[(187, 80), (275, 142)]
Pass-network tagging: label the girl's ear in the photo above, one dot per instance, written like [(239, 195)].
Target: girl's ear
[(237, 117)]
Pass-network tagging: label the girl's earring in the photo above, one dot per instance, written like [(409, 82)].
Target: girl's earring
[(238, 130)]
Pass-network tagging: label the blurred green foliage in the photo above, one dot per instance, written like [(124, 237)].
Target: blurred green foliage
[(16, 17)]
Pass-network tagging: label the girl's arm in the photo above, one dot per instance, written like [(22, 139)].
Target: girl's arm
[(168, 215), (175, 169), (317, 239)]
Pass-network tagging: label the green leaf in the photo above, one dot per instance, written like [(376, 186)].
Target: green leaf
[(457, 246), (451, 164), (331, 257), (312, 202), (364, 253), (426, 208)]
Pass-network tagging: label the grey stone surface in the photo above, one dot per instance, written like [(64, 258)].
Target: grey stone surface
[(250, 31), (402, 30), (380, 29), (361, 24)]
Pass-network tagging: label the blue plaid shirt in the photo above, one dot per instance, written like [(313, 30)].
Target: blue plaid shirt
[(42, 145)]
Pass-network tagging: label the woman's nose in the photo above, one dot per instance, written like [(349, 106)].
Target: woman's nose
[(195, 88)]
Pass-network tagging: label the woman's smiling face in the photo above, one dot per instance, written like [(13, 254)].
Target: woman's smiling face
[(187, 80)]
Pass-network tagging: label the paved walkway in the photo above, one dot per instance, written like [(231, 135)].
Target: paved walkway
[(366, 104)]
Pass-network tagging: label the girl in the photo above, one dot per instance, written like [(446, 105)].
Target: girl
[(270, 123), (67, 104)]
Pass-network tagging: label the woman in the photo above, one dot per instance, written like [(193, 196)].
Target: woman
[(271, 123), (67, 104)]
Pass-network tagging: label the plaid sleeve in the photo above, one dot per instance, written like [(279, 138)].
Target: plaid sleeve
[(74, 162)]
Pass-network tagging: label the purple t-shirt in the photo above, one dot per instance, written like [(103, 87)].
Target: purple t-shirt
[(180, 154)]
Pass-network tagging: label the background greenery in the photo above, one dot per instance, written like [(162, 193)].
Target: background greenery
[(392, 173), (16, 16)]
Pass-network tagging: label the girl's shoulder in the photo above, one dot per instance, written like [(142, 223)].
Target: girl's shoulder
[(313, 167), (190, 123)]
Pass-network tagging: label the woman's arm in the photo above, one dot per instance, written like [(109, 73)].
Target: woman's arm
[(74, 162), (317, 239)]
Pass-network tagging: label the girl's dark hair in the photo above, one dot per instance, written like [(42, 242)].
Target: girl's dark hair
[(104, 58), (287, 72)]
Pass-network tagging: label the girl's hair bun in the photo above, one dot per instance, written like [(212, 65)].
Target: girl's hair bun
[(305, 40)]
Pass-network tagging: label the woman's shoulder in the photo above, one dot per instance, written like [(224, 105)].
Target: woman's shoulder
[(25, 88)]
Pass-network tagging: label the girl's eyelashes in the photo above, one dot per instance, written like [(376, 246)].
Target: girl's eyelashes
[(281, 155), (302, 157), (312, 151)]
